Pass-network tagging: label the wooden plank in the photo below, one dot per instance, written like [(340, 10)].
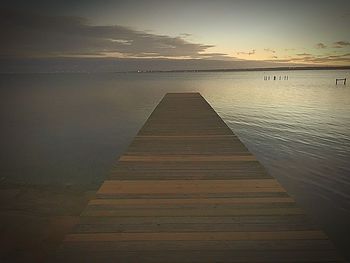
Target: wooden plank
[(277, 235), (95, 224), (210, 227), (185, 136), (196, 256), (192, 201), (221, 245), (282, 220), (192, 212), (187, 158), (185, 186), (252, 194), (188, 190)]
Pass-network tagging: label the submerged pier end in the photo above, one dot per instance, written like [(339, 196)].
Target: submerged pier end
[(188, 190)]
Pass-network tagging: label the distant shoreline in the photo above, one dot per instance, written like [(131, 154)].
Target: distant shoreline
[(241, 70), (190, 70)]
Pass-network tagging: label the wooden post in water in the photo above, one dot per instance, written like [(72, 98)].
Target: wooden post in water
[(343, 80)]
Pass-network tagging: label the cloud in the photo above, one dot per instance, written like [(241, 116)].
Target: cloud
[(216, 56), (270, 50), (252, 52), (304, 54), (33, 35), (341, 59), (341, 44), (185, 35), (345, 15), (320, 46)]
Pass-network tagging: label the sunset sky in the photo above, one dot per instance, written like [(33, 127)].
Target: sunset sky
[(228, 33)]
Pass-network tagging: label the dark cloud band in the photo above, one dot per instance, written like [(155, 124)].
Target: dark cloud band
[(32, 35)]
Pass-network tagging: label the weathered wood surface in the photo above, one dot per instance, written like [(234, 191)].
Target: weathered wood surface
[(188, 190)]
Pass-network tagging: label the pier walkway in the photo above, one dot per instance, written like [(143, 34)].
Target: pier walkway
[(188, 190)]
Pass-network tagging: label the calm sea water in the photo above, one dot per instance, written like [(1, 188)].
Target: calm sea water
[(69, 128)]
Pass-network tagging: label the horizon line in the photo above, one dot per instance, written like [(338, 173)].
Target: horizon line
[(288, 68)]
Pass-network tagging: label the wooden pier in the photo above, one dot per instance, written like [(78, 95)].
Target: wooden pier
[(188, 190)]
